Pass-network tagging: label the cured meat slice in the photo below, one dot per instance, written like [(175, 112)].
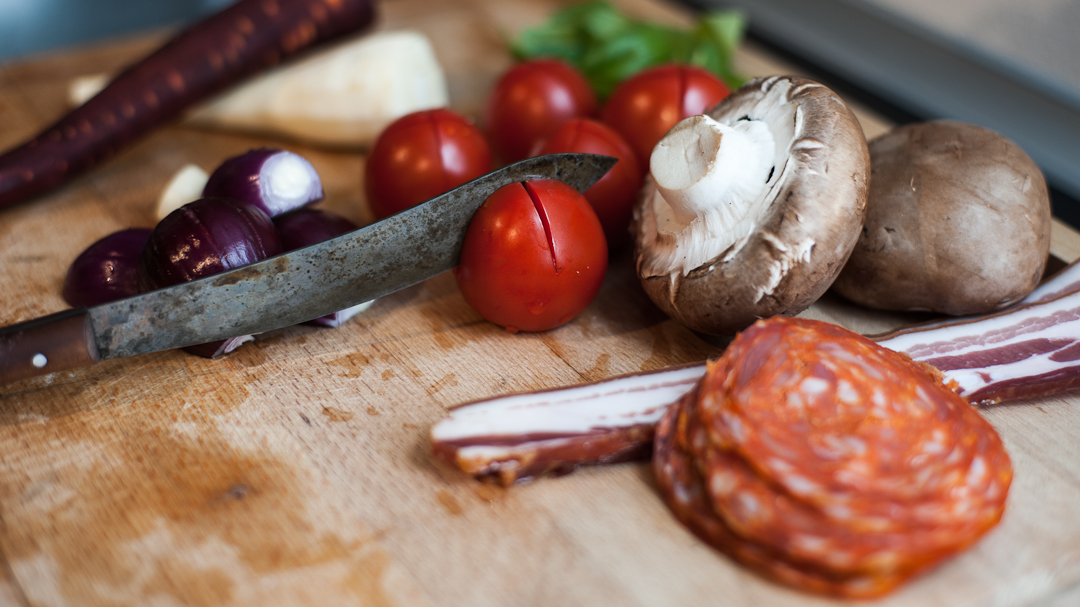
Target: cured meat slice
[(1032, 349), (516, 437), (682, 488), (1024, 352), (1062, 283), (829, 462)]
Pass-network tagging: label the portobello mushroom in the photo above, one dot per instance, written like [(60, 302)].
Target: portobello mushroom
[(958, 222), (751, 210)]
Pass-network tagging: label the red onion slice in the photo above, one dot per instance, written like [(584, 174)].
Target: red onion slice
[(275, 181), (339, 318), (215, 349), (106, 270)]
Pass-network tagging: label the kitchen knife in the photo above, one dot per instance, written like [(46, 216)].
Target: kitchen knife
[(291, 288)]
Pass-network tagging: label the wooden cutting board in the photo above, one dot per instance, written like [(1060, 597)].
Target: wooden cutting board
[(296, 471)]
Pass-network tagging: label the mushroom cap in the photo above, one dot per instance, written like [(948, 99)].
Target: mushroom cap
[(815, 202), (958, 222)]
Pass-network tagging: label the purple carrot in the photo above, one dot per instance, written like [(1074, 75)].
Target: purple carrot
[(245, 38)]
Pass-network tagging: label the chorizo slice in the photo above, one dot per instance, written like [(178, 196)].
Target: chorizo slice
[(682, 488), (854, 429), (826, 462)]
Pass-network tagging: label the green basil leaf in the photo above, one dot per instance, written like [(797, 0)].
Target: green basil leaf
[(639, 47), (608, 47)]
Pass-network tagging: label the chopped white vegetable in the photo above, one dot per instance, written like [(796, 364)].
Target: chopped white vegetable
[(343, 97), (185, 186), (83, 88)]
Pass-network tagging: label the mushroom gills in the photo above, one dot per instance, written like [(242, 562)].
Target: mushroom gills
[(712, 184)]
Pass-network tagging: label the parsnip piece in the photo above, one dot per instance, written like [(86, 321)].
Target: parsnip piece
[(341, 97), (82, 88)]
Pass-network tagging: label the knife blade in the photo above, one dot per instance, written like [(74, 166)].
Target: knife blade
[(294, 287)]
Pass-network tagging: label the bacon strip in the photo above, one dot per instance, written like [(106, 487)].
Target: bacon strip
[(1026, 352), (1064, 282), (1030, 350), (525, 435)]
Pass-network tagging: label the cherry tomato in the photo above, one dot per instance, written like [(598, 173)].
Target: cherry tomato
[(613, 196), (644, 107), (534, 256), (420, 156), (531, 100)]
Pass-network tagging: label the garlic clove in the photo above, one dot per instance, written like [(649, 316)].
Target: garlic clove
[(184, 187)]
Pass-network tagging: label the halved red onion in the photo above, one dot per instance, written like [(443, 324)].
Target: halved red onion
[(274, 180), (203, 238), (309, 226), (305, 227), (106, 270)]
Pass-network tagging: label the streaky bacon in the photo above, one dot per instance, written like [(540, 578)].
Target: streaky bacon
[(1064, 282), (524, 435), (1029, 350), (1025, 352)]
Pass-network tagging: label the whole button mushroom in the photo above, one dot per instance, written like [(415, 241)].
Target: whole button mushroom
[(958, 222), (752, 209)]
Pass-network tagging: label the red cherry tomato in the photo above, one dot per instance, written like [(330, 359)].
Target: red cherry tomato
[(644, 107), (613, 196), (530, 101), (534, 256), (420, 156)]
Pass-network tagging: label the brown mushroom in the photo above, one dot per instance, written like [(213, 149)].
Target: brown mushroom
[(958, 222), (752, 210)]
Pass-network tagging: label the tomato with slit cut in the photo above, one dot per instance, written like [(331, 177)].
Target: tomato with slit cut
[(644, 107), (420, 156), (534, 256), (613, 196)]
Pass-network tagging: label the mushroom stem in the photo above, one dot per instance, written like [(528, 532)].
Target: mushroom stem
[(711, 180), (704, 168)]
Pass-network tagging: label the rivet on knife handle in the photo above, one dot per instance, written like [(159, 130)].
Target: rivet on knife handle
[(44, 345), (384, 257)]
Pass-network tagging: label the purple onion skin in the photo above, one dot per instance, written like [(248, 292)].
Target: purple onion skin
[(203, 238), (106, 270), (307, 227), (254, 178), (215, 349)]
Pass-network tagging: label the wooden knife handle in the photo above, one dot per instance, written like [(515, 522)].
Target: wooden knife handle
[(44, 345)]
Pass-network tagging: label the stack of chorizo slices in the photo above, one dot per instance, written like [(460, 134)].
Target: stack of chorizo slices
[(827, 462)]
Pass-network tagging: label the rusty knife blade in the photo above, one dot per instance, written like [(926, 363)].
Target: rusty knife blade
[(307, 283)]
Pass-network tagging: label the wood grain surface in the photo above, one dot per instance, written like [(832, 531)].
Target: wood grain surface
[(296, 471)]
